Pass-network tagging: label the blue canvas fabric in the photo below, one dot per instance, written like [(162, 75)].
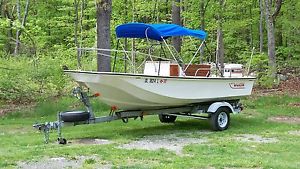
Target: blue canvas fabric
[(156, 31)]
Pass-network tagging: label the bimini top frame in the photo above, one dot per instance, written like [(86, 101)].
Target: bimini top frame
[(157, 32), (160, 32)]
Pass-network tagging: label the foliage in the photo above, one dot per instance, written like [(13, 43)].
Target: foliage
[(259, 67), (28, 79), (52, 23), (48, 39), (265, 79)]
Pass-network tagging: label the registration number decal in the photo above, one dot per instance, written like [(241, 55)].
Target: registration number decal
[(160, 81)]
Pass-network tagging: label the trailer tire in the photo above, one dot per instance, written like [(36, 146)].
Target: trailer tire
[(167, 118), (61, 141), (74, 116), (220, 120)]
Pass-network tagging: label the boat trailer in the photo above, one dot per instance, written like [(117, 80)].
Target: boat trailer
[(218, 113)]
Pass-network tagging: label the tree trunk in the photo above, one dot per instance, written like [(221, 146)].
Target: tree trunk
[(76, 2), (261, 33), (83, 4), (167, 7), (133, 11), (279, 35), (203, 7), (103, 34), (220, 43), (202, 12), (271, 40), (17, 47), (125, 39), (23, 23), (220, 48), (251, 28), (9, 47), (157, 11), (25, 13), (270, 20), (202, 26), (176, 20)]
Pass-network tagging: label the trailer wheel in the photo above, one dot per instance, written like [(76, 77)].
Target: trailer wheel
[(220, 120), (167, 118), (74, 116), (61, 141)]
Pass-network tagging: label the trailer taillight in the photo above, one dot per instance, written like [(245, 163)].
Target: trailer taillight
[(97, 94)]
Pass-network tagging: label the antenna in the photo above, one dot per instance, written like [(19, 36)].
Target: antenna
[(250, 61)]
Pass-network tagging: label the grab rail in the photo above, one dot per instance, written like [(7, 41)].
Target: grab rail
[(202, 69)]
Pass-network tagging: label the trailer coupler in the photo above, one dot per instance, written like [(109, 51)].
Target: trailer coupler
[(79, 116), (46, 127)]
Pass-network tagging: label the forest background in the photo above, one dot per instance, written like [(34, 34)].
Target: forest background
[(38, 37)]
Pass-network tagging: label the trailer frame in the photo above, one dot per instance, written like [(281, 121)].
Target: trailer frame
[(202, 111)]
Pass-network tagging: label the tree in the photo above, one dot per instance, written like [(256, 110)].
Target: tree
[(203, 7), (76, 22), (220, 42), (176, 19), (261, 34), (7, 31), (270, 22), (23, 23), (103, 34)]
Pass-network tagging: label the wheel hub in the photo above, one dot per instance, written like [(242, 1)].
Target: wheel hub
[(222, 119)]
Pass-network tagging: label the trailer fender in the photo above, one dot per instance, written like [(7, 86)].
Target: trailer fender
[(216, 105)]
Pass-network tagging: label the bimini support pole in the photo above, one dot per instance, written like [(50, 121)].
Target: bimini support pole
[(149, 50), (181, 65), (194, 55), (116, 52)]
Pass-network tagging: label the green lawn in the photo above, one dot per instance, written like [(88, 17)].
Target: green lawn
[(19, 142)]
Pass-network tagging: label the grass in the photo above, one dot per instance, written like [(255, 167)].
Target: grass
[(20, 142)]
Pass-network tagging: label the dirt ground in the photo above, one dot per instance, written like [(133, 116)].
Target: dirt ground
[(285, 119), (90, 141), (294, 104), (10, 107), (169, 142), (291, 86), (255, 138), (62, 162), (294, 132)]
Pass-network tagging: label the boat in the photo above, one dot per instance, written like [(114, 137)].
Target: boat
[(156, 85), (164, 83)]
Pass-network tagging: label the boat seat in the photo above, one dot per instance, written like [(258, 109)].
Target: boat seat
[(198, 70), (174, 70)]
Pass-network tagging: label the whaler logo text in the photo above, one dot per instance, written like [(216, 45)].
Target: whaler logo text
[(237, 85)]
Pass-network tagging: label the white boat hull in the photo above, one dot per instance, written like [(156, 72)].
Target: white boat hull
[(140, 92)]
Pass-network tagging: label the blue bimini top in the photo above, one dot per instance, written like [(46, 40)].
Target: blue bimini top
[(156, 31)]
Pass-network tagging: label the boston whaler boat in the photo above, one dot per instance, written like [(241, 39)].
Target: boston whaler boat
[(164, 86), (163, 83)]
